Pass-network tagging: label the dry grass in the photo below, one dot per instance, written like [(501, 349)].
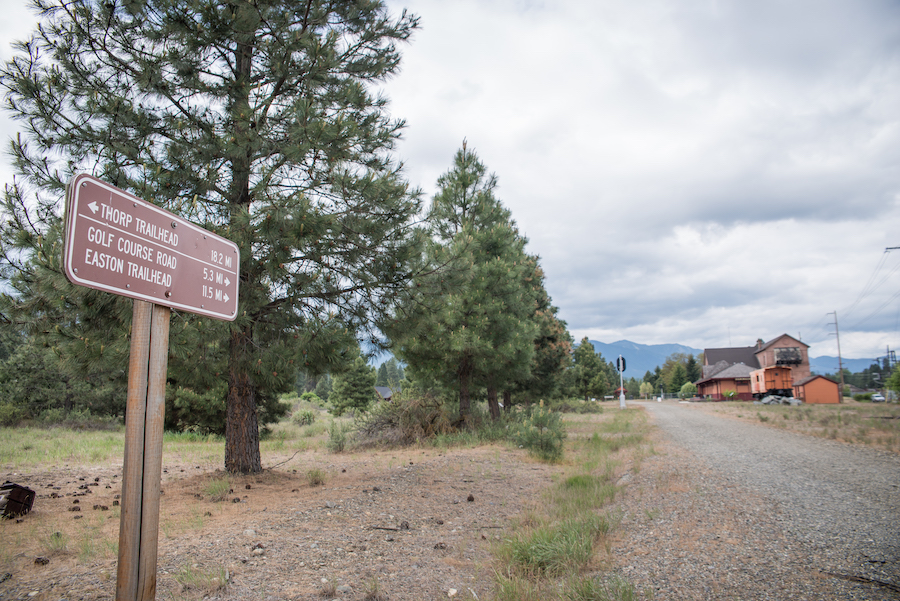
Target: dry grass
[(871, 424)]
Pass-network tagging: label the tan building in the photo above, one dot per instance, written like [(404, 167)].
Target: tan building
[(719, 363), (785, 350)]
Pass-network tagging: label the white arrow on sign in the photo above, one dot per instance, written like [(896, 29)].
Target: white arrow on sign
[(227, 281), (226, 298), (93, 206)]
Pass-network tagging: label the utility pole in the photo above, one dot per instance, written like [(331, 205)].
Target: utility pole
[(840, 362)]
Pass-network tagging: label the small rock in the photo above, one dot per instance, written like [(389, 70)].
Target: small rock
[(470, 498), (259, 552), (249, 532), (75, 508), (236, 500), (330, 504), (115, 503), (452, 592), (439, 522), (404, 525), (376, 489), (344, 588), (248, 487), (41, 561), (441, 546), (78, 517)]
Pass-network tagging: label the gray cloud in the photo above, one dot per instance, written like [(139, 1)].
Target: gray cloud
[(705, 173)]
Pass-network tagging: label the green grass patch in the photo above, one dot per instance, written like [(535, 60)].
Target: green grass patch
[(218, 489), (29, 447), (556, 549), (551, 555)]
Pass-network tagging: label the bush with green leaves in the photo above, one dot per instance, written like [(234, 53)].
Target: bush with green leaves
[(10, 414), (311, 397), (541, 432), (304, 417), (337, 436), (689, 389)]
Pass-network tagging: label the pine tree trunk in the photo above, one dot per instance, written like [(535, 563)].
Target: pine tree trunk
[(241, 424), (507, 401), (465, 400), (493, 405), (241, 421)]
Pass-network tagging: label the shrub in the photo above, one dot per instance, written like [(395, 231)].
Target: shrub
[(10, 414), (315, 477), (865, 397), (304, 417), (541, 433), (311, 397), (337, 437), (404, 421)]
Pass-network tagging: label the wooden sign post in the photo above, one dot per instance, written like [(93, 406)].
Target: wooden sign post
[(118, 243), (144, 416)]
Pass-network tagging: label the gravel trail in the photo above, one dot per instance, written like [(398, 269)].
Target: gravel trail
[(841, 502)]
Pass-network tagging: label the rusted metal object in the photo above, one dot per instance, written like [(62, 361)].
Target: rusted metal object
[(15, 500)]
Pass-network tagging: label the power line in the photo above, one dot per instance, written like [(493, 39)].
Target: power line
[(869, 287)]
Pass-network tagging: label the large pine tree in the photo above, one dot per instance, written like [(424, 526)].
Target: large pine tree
[(257, 119)]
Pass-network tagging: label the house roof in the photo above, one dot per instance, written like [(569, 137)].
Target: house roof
[(811, 378), (776, 339), (384, 392), (729, 372), (741, 354)]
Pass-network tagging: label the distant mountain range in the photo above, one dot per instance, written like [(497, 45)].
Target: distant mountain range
[(640, 358)]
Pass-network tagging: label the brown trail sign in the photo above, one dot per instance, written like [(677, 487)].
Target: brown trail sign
[(121, 244), (118, 243)]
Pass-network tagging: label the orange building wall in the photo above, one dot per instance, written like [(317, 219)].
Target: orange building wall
[(819, 390)]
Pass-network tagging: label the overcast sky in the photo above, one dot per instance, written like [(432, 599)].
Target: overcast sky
[(695, 172)]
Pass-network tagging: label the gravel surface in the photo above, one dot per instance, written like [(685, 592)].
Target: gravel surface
[(741, 511)]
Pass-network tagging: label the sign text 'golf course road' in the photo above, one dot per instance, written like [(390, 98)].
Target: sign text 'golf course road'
[(121, 244)]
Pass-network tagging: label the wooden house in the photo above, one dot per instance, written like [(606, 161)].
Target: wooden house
[(718, 383), (817, 389)]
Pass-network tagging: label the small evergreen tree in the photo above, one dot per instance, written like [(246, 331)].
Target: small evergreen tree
[(472, 324), (353, 388), (324, 387), (382, 379)]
